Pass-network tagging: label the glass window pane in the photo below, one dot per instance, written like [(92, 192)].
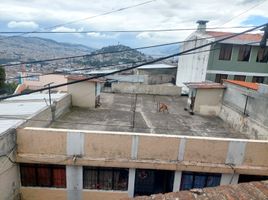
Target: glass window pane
[(28, 176), (43, 176), (90, 178), (120, 179), (105, 179), (244, 53), (186, 181), (199, 181), (59, 177), (213, 181)]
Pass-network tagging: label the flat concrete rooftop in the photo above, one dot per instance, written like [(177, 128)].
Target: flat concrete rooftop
[(116, 113)]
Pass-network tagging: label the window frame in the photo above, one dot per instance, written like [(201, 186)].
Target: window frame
[(264, 54), (98, 179), (194, 175), (223, 51), (220, 77), (39, 183), (244, 48)]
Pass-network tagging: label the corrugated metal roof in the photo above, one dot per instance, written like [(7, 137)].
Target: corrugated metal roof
[(157, 66), (22, 107), (243, 191)]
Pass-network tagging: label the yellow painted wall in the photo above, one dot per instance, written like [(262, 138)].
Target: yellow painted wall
[(158, 147), (103, 195), (209, 151), (108, 146), (41, 142), (37, 193)]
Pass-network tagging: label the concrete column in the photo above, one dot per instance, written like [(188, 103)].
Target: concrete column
[(230, 77), (235, 156), (227, 179), (177, 181), (131, 182), (132, 172), (74, 175)]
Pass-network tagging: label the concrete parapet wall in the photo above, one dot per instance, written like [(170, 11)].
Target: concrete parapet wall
[(44, 117), (138, 150), (138, 88), (246, 111)]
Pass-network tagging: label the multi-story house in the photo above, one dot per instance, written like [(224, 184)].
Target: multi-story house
[(239, 58)]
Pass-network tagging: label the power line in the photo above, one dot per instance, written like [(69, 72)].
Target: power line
[(123, 31), (101, 53), (88, 68), (94, 16), (245, 11), (136, 66)]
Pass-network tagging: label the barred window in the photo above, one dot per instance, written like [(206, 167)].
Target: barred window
[(105, 178), (43, 175), (244, 53), (262, 55), (226, 52)]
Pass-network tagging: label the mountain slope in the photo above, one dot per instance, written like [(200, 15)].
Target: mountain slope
[(19, 48), (125, 55)]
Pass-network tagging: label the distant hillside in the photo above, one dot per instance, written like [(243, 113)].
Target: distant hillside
[(19, 48), (127, 55)]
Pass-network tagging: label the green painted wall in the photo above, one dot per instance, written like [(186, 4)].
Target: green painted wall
[(233, 65)]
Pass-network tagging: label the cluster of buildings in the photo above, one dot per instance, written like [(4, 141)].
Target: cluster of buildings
[(110, 139)]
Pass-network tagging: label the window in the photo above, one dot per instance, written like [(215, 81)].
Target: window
[(262, 55), (226, 52), (43, 175), (243, 178), (105, 178), (244, 53), (220, 77), (239, 78), (258, 79), (192, 180)]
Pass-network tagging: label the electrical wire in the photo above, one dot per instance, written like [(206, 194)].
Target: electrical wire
[(111, 52), (90, 17), (123, 31), (245, 11), (89, 68), (139, 65)]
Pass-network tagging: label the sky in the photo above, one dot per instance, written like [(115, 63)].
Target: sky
[(37, 15)]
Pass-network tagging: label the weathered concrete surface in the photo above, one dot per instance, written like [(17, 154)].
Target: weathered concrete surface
[(246, 111), (137, 88), (116, 114), (9, 181)]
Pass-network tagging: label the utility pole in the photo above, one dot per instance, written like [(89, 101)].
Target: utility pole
[(264, 37)]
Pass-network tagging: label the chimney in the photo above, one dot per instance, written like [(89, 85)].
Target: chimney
[(202, 24)]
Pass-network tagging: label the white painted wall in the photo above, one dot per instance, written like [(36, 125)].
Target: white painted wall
[(193, 67)]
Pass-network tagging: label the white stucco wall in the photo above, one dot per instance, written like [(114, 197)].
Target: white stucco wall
[(83, 94), (193, 67)]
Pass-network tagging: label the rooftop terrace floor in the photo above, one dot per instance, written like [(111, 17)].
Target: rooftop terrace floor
[(116, 113)]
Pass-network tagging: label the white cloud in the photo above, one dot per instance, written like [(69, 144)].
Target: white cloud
[(23, 24), (102, 35), (64, 29), (160, 14)]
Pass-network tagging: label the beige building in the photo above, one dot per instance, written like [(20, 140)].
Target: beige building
[(205, 98), (84, 94), (127, 148), (35, 81)]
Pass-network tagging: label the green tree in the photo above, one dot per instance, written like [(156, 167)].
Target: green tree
[(2, 77)]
